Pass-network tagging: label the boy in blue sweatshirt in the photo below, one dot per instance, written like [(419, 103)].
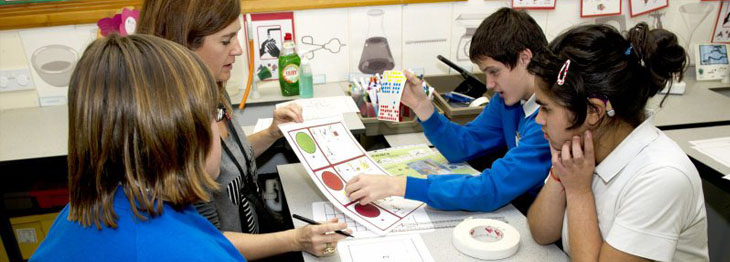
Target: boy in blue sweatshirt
[(502, 47)]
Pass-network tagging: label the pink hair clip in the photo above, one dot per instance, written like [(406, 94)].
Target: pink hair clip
[(563, 72)]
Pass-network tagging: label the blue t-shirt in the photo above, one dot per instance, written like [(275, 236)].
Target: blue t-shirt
[(173, 236), (523, 168)]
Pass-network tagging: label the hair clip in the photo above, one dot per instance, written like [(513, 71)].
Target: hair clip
[(628, 52), (563, 72)]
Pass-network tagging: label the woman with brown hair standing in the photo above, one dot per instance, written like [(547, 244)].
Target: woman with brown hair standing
[(209, 28), (142, 148)]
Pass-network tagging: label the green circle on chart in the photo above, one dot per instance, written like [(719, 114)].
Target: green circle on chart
[(305, 142)]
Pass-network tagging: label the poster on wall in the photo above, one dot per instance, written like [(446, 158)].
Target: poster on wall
[(268, 35), (721, 33), (640, 7), (590, 8), (52, 53), (533, 4)]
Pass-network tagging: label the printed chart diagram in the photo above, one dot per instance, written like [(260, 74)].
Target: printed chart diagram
[(332, 157)]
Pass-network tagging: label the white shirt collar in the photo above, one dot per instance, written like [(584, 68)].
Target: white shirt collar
[(627, 150), (529, 106)]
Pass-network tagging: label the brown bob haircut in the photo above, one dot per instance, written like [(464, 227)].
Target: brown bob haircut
[(140, 110), (188, 22)]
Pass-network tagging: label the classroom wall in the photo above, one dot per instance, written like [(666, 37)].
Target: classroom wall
[(416, 34)]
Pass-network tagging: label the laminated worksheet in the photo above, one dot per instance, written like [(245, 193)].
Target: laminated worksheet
[(332, 156), (418, 161)]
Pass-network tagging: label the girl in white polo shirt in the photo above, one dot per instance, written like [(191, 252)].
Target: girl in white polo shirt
[(619, 188)]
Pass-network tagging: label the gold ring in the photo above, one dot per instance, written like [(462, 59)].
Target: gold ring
[(328, 250)]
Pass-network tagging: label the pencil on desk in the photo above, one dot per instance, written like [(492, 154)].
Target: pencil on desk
[(312, 222)]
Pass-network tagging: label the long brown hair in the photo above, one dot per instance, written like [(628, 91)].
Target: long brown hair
[(140, 110), (188, 22)]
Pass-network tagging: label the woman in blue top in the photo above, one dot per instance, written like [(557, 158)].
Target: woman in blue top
[(143, 146), (502, 47)]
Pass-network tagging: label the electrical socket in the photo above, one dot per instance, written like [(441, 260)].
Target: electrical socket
[(15, 80)]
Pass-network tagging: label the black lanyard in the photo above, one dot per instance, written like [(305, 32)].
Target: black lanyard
[(249, 177)]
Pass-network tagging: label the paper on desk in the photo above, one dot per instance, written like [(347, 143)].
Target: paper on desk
[(727, 177), (418, 221), (324, 107), (716, 148), (262, 124), (392, 248)]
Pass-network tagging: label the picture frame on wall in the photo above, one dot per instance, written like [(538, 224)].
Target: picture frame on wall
[(533, 4), (721, 32), (640, 7), (268, 34), (591, 8)]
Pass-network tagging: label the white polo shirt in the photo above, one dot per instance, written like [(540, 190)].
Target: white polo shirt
[(649, 199)]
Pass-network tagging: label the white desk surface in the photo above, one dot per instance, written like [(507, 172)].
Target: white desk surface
[(696, 106), (699, 103), (683, 136), (38, 132), (398, 140), (33, 132), (301, 192)]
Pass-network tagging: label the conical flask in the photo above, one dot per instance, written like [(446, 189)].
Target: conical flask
[(376, 56)]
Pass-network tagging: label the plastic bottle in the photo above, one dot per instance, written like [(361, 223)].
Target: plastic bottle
[(306, 90), (289, 68)]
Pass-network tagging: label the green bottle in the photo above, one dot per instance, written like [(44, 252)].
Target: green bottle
[(289, 68)]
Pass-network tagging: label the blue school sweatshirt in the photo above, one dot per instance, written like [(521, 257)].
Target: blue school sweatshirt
[(524, 167), (175, 235)]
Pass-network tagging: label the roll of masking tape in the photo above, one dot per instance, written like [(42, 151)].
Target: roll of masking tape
[(486, 239), (479, 102)]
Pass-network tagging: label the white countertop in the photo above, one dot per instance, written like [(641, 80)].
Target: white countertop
[(33, 132), (683, 136), (696, 106)]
